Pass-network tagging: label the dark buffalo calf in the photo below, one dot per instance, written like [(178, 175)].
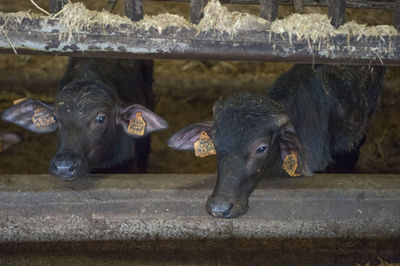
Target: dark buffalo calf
[(99, 111), (309, 117)]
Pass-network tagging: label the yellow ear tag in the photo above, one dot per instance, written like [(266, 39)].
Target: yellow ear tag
[(42, 118), (290, 164), (19, 100), (204, 146), (137, 125)]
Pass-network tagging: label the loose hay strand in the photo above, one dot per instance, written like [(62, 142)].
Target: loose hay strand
[(41, 9), (8, 39)]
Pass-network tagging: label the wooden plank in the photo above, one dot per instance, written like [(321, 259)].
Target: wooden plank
[(37, 36), (337, 11), (269, 9), (134, 9)]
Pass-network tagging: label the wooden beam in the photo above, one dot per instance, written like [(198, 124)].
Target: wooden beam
[(39, 36)]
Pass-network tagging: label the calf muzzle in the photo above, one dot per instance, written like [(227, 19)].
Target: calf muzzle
[(67, 166), (223, 208)]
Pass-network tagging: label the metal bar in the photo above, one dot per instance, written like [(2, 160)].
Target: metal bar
[(298, 6), (337, 11), (396, 15), (197, 10), (57, 5), (269, 9), (39, 36), (134, 9), (365, 4)]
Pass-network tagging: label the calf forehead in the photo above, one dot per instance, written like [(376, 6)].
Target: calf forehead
[(242, 118), (78, 100)]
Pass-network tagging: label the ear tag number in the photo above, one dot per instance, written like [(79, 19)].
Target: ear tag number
[(137, 125), (42, 118), (290, 164), (204, 146)]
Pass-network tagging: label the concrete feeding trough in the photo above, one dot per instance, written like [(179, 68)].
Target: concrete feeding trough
[(327, 215)]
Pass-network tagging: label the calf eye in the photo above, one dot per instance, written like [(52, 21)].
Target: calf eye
[(100, 119), (261, 149)]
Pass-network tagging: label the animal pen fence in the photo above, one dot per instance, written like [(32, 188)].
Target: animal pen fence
[(353, 209), (215, 34)]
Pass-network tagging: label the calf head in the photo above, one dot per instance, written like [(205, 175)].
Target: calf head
[(91, 120), (250, 133)]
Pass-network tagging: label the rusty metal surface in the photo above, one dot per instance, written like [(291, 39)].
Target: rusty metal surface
[(143, 207), (36, 36)]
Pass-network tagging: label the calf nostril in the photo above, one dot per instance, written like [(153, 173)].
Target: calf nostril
[(221, 209), (72, 168)]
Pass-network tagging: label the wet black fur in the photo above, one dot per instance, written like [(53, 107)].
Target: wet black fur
[(328, 105)]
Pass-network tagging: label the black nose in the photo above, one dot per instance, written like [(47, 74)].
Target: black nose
[(66, 166), (219, 208)]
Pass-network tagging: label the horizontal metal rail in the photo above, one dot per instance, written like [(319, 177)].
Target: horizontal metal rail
[(39, 36), (365, 4)]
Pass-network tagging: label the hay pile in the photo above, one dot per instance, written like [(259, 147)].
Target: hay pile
[(218, 18), (75, 18), (161, 21), (318, 27), (15, 17)]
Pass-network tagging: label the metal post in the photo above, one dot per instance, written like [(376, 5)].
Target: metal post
[(134, 9), (269, 9), (396, 15), (298, 6), (197, 10), (57, 5), (337, 11)]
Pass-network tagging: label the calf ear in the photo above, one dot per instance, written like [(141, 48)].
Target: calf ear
[(139, 121), (293, 161), (33, 115), (185, 138), (7, 140)]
